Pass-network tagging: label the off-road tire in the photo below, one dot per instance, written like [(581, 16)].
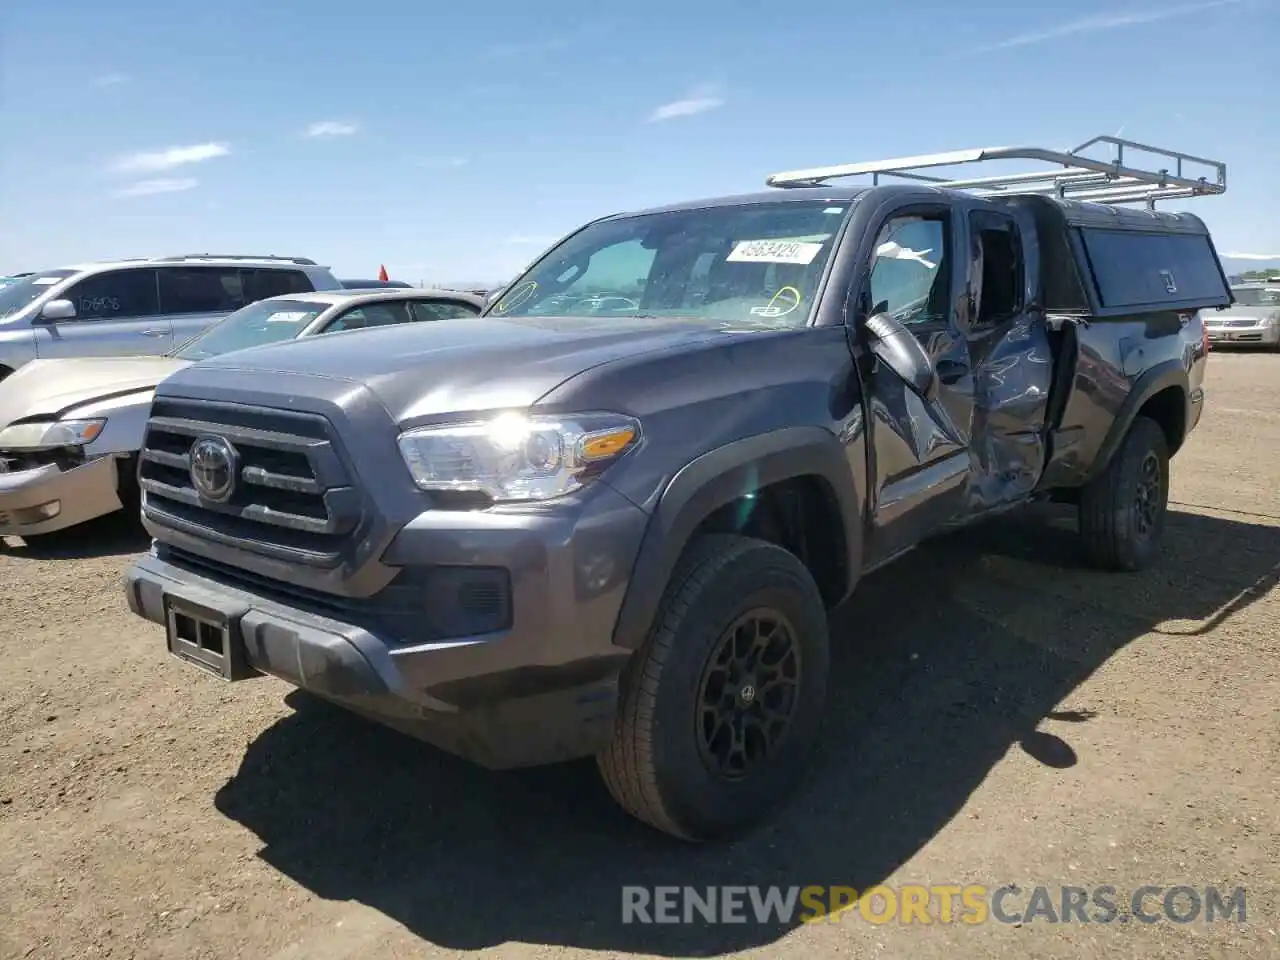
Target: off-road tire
[(654, 767), (1113, 534)]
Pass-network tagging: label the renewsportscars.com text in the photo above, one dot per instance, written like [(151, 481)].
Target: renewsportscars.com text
[(935, 903)]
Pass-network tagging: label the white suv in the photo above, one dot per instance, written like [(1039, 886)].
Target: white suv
[(141, 307)]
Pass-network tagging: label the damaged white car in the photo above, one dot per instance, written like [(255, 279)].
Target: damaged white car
[(71, 429)]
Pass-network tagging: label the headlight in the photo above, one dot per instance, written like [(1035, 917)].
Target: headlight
[(515, 457), (49, 435)]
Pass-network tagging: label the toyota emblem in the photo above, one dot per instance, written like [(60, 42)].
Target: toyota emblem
[(215, 467)]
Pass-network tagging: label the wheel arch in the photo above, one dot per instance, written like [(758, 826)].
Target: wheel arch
[(707, 489), (1162, 394)]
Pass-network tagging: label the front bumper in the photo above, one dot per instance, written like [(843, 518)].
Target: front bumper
[(541, 691), (1257, 336), (47, 499)]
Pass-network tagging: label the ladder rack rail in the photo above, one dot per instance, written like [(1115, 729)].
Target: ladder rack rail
[(1072, 176)]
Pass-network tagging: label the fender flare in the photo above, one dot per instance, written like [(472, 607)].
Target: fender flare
[(1170, 373), (720, 477)]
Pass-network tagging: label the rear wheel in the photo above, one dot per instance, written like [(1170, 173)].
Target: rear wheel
[(1122, 510), (721, 706)]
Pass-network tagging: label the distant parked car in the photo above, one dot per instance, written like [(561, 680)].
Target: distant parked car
[(1253, 320), (70, 429), (138, 307), (374, 284)]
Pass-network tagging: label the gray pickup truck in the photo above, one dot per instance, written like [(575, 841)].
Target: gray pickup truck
[(608, 517)]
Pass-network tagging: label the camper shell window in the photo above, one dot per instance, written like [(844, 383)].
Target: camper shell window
[(1141, 270)]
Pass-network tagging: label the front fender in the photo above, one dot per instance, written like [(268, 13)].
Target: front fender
[(718, 478), (17, 347), (126, 422)]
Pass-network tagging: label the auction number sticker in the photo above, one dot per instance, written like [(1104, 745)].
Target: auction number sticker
[(287, 316), (774, 251)]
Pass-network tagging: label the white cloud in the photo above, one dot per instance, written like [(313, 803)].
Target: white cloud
[(1251, 256), (1100, 22), (531, 240), (156, 161), (331, 128), (443, 163), (696, 101), (148, 188), (109, 80), (503, 51)]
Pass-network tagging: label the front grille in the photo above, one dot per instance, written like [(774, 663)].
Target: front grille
[(293, 496)]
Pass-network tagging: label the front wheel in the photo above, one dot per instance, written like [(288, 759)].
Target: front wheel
[(722, 705), (1122, 510)]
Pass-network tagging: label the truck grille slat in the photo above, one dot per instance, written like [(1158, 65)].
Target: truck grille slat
[(280, 481), (291, 490)]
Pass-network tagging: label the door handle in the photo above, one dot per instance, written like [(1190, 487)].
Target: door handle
[(949, 371), (154, 332)]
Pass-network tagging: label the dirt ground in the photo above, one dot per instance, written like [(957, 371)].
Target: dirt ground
[(998, 715)]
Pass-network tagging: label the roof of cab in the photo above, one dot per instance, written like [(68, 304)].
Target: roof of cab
[(1074, 212), (823, 193)]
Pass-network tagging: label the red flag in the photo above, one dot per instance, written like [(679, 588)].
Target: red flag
[(382, 273)]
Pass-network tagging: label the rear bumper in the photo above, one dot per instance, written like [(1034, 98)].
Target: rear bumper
[(47, 499), (1195, 408)]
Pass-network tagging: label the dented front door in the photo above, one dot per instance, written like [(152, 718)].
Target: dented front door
[(919, 451), (957, 276)]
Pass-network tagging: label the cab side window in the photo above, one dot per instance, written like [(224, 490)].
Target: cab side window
[(997, 276), (441, 309), (370, 315), (911, 271), (116, 295)]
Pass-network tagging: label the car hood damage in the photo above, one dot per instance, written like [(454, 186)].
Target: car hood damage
[(50, 389)]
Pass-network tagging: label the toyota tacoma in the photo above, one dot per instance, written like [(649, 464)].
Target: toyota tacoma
[(608, 517)]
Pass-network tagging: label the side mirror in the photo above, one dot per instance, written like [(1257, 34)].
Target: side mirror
[(56, 310), (897, 349)]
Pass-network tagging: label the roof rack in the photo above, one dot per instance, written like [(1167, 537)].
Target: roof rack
[(1076, 177), (301, 261)]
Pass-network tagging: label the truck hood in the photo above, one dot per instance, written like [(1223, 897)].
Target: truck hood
[(465, 364), (53, 388)]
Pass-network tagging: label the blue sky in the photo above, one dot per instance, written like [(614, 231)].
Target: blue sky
[(453, 142)]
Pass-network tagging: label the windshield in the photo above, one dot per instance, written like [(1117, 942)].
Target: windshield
[(16, 293), (1257, 296), (263, 322), (753, 265)]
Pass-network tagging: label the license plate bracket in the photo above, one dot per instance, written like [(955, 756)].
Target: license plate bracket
[(206, 638)]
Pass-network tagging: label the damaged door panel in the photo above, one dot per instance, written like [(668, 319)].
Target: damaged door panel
[(919, 395), (1010, 356)]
